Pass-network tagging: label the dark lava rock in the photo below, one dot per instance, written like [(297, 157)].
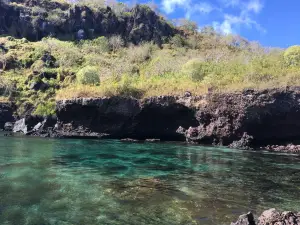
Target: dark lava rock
[(119, 117), (270, 217), (8, 126), (140, 24), (268, 117), (246, 219), (283, 148), (244, 143), (39, 86), (274, 217), (6, 114)]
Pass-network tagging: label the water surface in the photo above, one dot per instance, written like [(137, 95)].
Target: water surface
[(87, 182)]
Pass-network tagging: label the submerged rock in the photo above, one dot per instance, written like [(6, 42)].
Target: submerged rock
[(283, 148)]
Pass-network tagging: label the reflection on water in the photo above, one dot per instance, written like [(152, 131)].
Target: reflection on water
[(64, 182)]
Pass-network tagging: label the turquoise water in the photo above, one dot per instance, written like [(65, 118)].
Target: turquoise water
[(85, 182)]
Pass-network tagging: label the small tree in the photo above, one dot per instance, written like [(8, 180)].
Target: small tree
[(178, 41), (292, 55), (116, 42), (196, 69), (187, 26)]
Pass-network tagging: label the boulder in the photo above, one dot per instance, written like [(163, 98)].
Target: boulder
[(274, 217), (39, 86), (27, 124), (246, 219), (8, 126), (270, 217)]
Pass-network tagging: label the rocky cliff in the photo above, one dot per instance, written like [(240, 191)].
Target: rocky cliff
[(267, 119), (249, 119), (37, 19), (117, 117)]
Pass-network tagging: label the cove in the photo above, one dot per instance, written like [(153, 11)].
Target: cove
[(73, 181)]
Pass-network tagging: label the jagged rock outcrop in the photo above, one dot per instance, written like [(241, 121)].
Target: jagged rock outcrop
[(267, 119), (6, 114), (270, 217), (35, 125), (37, 19), (253, 118)]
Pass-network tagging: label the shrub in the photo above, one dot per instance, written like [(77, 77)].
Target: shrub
[(139, 54), (116, 42), (88, 75), (196, 69), (292, 55), (45, 109), (178, 41), (102, 44)]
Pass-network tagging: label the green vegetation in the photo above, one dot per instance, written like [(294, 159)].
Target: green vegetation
[(88, 75), (292, 55), (36, 73)]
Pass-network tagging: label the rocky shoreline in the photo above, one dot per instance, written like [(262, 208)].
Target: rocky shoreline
[(270, 217), (266, 119)]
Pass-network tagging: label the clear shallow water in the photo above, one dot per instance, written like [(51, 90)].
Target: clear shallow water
[(85, 182)]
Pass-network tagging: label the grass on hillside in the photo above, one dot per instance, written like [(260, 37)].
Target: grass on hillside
[(95, 68)]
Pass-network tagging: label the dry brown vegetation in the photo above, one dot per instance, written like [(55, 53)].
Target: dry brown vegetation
[(195, 63)]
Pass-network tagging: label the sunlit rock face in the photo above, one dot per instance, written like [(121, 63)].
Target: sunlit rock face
[(138, 25)]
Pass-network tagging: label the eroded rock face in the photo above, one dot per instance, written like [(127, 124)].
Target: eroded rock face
[(117, 117), (253, 118), (6, 114), (80, 22)]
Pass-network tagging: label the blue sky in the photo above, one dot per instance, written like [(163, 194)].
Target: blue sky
[(273, 23)]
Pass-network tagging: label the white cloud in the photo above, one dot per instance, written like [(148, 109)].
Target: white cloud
[(243, 16), (169, 6), (232, 23), (201, 7), (254, 5), (225, 27), (231, 3)]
